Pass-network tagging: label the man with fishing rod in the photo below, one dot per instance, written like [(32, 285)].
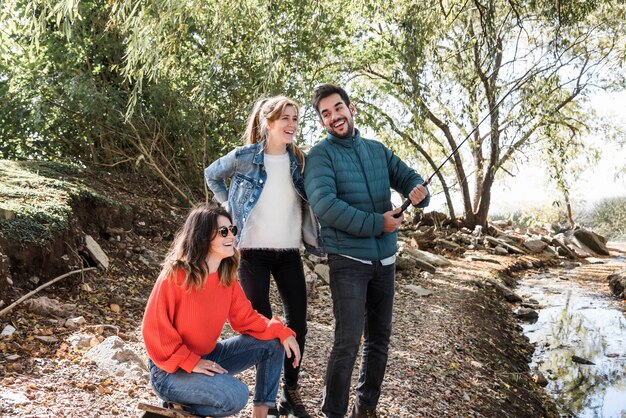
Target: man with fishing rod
[(348, 180)]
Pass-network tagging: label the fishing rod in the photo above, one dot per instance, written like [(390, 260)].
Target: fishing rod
[(407, 202)]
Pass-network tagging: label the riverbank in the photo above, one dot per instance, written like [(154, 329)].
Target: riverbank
[(456, 350), (579, 334)]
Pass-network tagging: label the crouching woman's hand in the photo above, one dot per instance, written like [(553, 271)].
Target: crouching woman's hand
[(292, 350)]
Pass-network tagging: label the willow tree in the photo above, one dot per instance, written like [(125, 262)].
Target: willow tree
[(176, 80), (440, 70)]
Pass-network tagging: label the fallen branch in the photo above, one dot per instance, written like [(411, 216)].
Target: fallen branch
[(43, 286)]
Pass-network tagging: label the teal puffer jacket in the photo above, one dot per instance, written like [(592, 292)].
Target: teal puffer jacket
[(348, 183)]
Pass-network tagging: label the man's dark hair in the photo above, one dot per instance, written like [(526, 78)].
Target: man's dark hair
[(325, 90)]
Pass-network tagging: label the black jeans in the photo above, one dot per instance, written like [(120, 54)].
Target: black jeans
[(363, 304), (286, 268)]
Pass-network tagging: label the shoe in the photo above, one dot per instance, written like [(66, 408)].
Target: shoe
[(291, 403), (358, 412), (273, 412)]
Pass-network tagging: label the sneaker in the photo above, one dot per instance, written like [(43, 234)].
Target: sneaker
[(291, 403), (358, 412)]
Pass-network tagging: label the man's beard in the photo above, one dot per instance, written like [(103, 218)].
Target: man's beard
[(350, 131)]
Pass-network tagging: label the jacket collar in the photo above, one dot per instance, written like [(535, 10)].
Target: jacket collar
[(345, 142), (260, 148)]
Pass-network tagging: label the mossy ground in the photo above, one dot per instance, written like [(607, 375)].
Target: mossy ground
[(37, 198)]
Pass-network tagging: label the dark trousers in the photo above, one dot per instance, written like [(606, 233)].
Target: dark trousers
[(362, 304), (286, 268)]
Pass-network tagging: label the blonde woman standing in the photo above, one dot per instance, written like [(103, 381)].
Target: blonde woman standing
[(268, 203)]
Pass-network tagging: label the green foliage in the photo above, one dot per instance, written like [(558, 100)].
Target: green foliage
[(608, 218), (39, 195), (163, 86), (550, 217), (166, 86)]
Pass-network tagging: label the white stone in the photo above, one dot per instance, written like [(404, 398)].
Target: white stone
[(96, 252), (15, 398), (116, 356), (7, 331), (73, 323), (323, 271), (420, 291)]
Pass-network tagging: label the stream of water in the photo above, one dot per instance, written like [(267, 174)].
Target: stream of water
[(578, 319)]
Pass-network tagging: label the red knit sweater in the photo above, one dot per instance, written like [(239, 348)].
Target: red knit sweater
[(181, 326)]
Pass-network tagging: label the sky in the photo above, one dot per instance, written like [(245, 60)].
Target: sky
[(598, 182)]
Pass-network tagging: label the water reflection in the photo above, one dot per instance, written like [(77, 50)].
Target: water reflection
[(575, 323)]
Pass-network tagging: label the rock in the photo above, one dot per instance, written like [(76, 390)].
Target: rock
[(6, 214), (423, 238), (115, 356), (434, 218), (526, 315), (421, 264), (551, 251), (433, 259), (498, 242), (478, 231), (591, 240), (5, 269), (581, 360), (500, 250), (449, 245), (81, 341), (570, 264), (404, 263), (535, 245), (562, 248), (96, 252), (483, 259), (151, 258), (617, 283), (420, 291), (49, 307), (8, 331), (315, 259), (11, 397), (73, 323), (311, 280), (323, 271), (47, 338), (580, 252), (507, 293)]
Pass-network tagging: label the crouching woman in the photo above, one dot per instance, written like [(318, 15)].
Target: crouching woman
[(196, 292)]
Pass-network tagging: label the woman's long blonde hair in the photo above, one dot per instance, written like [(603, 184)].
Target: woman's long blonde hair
[(191, 246), (264, 111)]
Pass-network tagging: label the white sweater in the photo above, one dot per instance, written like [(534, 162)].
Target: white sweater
[(275, 222)]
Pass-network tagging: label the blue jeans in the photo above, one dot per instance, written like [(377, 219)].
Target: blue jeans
[(362, 304), (286, 268), (223, 394)]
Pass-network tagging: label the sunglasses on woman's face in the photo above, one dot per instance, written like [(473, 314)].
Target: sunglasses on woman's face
[(223, 230)]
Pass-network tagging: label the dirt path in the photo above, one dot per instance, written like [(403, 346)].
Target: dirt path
[(455, 353)]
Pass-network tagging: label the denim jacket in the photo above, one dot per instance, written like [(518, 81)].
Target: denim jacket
[(246, 170)]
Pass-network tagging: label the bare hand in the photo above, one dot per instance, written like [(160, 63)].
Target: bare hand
[(418, 194), (390, 223), (208, 367), (292, 349)]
